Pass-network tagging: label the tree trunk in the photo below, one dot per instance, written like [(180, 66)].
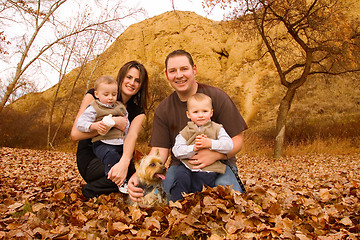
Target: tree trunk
[(49, 143), (62, 119), (9, 90), (281, 122)]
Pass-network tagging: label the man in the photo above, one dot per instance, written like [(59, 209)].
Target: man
[(170, 117)]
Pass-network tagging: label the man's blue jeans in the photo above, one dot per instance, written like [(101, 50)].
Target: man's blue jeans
[(228, 178)]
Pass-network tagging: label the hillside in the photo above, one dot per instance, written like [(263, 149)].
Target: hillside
[(224, 58)]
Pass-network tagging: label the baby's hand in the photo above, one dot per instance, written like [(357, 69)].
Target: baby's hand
[(99, 126), (202, 141), (196, 148)]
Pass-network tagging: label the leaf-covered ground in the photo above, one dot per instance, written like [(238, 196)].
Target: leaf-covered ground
[(302, 197)]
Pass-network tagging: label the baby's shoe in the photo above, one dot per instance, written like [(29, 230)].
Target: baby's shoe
[(123, 188)]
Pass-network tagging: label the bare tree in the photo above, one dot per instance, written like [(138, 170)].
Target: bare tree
[(3, 42), (72, 52), (303, 38), (66, 59), (42, 17)]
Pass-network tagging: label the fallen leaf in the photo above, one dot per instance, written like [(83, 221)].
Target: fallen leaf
[(59, 196), (152, 223), (120, 227), (346, 221), (233, 226), (36, 207), (15, 206), (295, 197), (13, 226)]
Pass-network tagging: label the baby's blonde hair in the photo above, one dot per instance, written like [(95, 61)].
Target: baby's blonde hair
[(198, 97), (104, 79)]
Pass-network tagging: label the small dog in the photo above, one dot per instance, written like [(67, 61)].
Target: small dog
[(151, 171)]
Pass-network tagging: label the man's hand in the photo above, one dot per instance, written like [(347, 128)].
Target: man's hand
[(135, 193), (205, 157)]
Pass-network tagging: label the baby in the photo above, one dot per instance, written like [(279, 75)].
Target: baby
[(108, 145), (200, 133)]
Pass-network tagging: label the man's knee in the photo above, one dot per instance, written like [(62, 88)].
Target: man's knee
[(228, 179), (169, 179)]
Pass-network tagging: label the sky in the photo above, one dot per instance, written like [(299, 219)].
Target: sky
[(157, 7)]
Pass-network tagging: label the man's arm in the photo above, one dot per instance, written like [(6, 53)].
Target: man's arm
[(238, 142), (164, 153)]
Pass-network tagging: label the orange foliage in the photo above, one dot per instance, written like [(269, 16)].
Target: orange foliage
[(302, 197)]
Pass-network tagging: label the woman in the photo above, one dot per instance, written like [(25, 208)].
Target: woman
[(133, 90)]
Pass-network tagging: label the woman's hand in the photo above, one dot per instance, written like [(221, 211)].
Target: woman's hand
[(120, 123), (205, 157), (118, 172), (135, 193)]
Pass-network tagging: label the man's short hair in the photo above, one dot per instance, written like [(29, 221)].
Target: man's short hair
[(179, 52)]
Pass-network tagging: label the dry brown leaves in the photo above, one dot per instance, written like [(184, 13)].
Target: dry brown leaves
[(307, 197)]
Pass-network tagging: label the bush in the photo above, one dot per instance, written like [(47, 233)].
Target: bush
[(22, 130)]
